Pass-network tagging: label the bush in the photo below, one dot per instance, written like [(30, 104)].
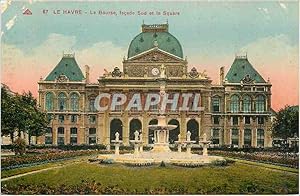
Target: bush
[(162, 164), (19, 146), (219, 163)]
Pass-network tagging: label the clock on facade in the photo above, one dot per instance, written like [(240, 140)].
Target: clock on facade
[(155, 71)]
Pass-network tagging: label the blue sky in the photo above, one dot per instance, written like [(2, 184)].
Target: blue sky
[(211, 34), (218, 25)]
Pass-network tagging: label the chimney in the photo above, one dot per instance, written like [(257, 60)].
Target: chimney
[(221, 75), (87, 74)]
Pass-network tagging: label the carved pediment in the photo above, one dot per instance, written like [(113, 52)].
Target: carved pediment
[(155, 55)]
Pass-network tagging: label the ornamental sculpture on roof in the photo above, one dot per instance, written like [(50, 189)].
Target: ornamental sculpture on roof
[(193, 73), (116, 72)]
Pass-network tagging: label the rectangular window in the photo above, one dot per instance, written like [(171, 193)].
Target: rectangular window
[(235, 137), (60, 140), (92, 119), (235, 120), (247, 120), (216, 120), (92, 131), (216, 104), (92, 105), (247, 137), (61, 118), (92, 140), (73, 118), (73, 140), (48, 139), (215, 136), (261, 120), (260, 138), (60, 130)]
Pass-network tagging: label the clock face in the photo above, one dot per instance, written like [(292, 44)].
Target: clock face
[(155, 71)]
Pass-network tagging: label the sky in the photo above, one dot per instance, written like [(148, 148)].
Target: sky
[(211, 34)]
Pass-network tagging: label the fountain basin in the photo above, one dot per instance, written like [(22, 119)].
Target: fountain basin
[(179, 158)]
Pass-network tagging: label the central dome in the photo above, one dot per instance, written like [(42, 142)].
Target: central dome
[(152, 36)]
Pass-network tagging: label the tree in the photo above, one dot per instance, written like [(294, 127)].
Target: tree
[(20, 113), (33, 120), (286, 123), (8, 107)]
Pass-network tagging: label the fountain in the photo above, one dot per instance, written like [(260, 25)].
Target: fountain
[(161, 151), (136, 143), (117, 143), (188, 143), (205, 143)]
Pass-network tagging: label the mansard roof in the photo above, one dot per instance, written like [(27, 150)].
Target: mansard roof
[(241, 69), (67, 67)]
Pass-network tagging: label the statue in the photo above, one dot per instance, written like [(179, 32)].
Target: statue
[(204, 137), (188, 136), (136, 136), (141, 137), (117, 136), (162, 71)]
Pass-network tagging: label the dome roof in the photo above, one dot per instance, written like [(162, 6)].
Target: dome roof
[(152, 36)]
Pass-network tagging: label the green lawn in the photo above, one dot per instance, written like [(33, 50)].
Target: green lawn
[(118, 179)]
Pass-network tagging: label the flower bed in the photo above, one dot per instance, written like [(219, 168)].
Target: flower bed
[(34, 159), (277, 158)]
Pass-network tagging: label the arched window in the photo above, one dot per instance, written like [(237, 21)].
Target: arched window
[(173, 134), (260, 103), (49, 101), (134, 125), (151, 136), (235, 104), (216, 104), (74, 102), (247, 104), (62, 101), (193, 127)]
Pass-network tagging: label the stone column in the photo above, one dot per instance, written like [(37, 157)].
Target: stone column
[(54, 135), (182, 124), (254, 137), (100, 128), (145, 129), (67, 135), (126, 129), (241, 138)]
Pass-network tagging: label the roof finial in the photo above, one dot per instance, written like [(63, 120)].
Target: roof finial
[(143, 22), (167, 21)]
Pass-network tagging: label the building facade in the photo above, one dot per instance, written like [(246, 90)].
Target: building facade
[(237, 112)]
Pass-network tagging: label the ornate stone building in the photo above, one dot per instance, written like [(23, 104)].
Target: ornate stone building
[(236, 112)]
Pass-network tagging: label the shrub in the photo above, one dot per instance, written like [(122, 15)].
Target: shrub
[(19, 146), (219, 163), (162, 164)]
